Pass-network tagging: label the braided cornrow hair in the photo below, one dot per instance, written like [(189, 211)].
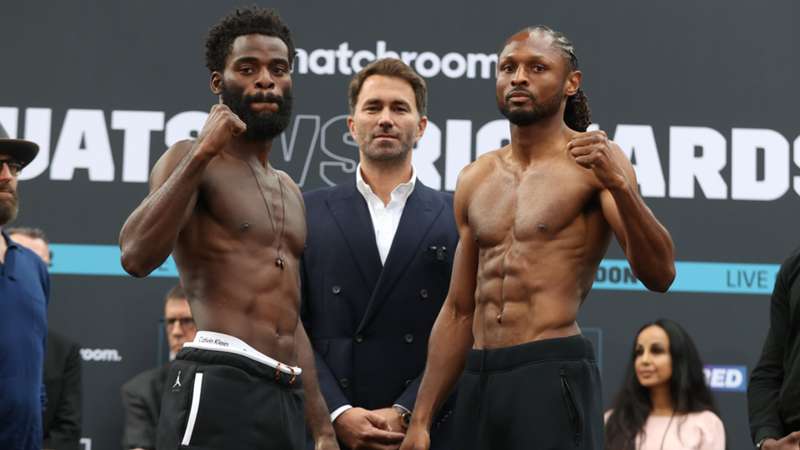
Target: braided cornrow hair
[(577, 114)]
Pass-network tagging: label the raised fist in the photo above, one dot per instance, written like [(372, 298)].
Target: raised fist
[(593, 150), (221, 126)]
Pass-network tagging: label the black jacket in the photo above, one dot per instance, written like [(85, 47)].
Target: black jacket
[(774, 391), (62, 382), (141, 399), (369, 324)]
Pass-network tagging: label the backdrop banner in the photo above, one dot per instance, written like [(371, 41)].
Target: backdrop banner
[(698, 94)]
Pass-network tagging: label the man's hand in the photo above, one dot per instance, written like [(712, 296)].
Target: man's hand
[(361, 429), (592, 150), (790, 442), (392, 418), (221, 126), (417, 438)]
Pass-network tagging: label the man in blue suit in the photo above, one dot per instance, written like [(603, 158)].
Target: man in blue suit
[(377, 267)]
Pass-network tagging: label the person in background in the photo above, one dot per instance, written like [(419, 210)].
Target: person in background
[(773, 395), (141, 396), (61, 422), (377, 265), (24, 295), (34, 239), (664, 402)]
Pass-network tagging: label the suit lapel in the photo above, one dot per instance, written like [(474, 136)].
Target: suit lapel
[(419, 214), (349, 209)]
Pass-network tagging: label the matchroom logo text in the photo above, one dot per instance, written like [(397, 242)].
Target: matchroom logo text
[(101, 355)]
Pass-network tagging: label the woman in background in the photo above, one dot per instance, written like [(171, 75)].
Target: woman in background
[(664, 403)]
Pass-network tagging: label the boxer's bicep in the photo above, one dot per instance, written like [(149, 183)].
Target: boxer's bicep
[(148, 235), (165, 167)]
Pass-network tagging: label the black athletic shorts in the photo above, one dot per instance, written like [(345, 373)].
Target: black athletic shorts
[(537, 396), (218, 400)]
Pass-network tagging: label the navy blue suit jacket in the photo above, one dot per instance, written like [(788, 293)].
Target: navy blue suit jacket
[(369, 324)]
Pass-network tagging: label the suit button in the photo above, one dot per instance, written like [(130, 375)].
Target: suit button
[(423, 293), (344, 382), (409, 338), (409, 382), (336, 290), (359, 338)]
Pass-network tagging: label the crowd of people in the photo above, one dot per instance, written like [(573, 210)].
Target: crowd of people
[(381, 313)]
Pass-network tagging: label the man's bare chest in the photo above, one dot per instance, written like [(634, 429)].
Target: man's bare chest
[(534, 206), (252, 208)]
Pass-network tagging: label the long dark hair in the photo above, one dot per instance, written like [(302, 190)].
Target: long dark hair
[(688, 389)]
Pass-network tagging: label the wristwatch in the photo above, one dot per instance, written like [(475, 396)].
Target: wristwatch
[(761, 443), (405, 415)]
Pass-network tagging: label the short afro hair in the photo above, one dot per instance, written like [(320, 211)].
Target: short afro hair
[(240, 22)]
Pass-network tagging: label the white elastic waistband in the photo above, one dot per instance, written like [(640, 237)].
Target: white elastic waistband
[(219, 342)]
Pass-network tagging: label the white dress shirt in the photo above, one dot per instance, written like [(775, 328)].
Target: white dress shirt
[(385, 220)]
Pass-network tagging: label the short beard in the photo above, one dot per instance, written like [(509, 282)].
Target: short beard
[(261, 126), (8, 211), (539, 111), (390, 158)]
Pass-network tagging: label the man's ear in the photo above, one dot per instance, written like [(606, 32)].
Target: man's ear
[(216, 83), (351, 125), (423, 123), (573, 83)]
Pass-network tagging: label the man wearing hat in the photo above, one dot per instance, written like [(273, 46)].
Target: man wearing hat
[(24, 293)]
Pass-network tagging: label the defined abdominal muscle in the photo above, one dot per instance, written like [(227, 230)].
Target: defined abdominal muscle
[(502, 324)]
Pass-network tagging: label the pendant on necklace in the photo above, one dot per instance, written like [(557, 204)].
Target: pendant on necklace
[(279, 262)]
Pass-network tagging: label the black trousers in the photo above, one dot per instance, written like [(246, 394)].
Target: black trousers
[(537, 396), (218, 400)]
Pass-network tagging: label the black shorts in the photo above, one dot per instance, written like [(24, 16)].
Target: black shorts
[(541, 395), (218, 400)]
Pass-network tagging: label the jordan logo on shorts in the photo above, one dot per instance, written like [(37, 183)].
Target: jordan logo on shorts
[(177, 385)]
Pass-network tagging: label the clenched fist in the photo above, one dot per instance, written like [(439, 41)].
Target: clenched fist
[(593, 150), (221, 126)]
